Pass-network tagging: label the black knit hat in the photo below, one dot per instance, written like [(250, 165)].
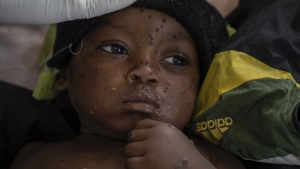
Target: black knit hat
[(202, 21)]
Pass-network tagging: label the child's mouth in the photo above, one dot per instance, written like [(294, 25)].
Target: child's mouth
[(141, 102)]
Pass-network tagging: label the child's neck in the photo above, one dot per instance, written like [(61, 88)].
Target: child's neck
[(92, 139)]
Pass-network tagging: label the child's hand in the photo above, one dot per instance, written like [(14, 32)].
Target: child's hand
[(159, 145)]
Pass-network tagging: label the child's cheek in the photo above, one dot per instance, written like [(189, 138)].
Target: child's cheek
[(181, 103), (91, 83)]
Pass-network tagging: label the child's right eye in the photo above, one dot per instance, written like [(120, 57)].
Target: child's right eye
[(114, 49)]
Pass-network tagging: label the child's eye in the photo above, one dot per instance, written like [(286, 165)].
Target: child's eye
[(177, 60), (115, 49)]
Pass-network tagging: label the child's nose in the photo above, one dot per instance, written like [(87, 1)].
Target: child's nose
[(143, 73)]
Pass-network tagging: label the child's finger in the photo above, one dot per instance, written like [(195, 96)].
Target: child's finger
[(134, 163), (145, 123), (135, 149), (138, 135)]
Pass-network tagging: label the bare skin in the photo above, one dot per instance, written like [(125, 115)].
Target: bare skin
[(134, 89), (225, 7), (94, 151)]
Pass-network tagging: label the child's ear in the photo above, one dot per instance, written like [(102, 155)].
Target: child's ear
[(61, 82)]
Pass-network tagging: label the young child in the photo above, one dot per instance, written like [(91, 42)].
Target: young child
[(133, 76)]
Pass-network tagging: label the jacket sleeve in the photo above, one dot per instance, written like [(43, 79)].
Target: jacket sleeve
[(249, 101)]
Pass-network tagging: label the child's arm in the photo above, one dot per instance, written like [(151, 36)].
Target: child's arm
[(154, 144)]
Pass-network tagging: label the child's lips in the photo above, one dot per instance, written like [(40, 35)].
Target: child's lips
[(141, 101)]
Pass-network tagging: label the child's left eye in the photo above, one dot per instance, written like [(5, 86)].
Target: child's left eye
[(177, 60), (115, 49)]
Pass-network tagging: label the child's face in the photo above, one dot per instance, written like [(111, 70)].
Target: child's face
[(135, 64)]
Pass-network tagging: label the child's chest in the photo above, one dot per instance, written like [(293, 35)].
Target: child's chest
[(114, 159), (93, 160), (78, 154)]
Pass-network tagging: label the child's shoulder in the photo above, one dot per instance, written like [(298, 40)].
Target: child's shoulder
[(27, 156), (39, 155), (79, 152)]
